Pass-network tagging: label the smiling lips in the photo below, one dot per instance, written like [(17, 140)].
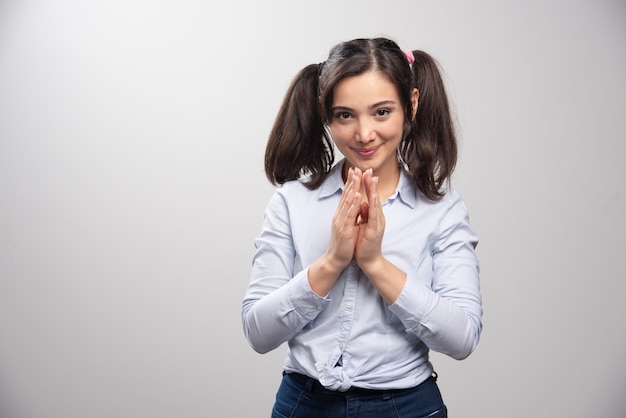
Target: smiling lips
[(366, 152)]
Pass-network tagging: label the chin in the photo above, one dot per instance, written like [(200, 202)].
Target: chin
[(366, 166)]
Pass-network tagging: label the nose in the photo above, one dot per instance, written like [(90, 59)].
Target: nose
[(365, 132)]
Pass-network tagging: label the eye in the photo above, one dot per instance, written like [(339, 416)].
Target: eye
[(342, 115), (382, 112)]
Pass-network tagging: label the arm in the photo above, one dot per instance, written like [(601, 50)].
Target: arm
[(446, 316), (278, 302)]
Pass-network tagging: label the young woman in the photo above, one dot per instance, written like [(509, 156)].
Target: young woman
[(364, 265)]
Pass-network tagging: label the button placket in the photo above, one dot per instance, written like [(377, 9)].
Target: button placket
[(346, 314)]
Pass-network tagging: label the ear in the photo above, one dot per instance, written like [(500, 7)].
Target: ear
[(414, 102)]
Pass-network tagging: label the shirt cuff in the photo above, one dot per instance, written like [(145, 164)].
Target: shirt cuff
[(302, 298), (413, 304)]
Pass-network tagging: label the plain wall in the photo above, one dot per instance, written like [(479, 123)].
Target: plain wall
[(132, 136)]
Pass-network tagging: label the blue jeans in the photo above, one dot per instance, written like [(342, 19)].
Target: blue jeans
[(302, 397)]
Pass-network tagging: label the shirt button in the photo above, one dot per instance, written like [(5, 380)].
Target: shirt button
[(349, 305)]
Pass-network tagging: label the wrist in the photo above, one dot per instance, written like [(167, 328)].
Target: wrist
[(374, 267), (323, 274), (330, 266), (387, 278)]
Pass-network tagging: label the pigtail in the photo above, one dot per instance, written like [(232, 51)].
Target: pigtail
[(430, 149), (298, 144)]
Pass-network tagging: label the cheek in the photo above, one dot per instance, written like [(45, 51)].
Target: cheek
[(391, 132), (341, 134)]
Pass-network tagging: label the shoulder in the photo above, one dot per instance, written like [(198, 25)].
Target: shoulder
[(293, 187), (452, 203), (452, 197), (293, 194), (332, 183), (455, 216), (450, 209), (449, 198)]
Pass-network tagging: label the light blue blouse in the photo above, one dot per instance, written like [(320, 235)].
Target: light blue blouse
[(352, 337)]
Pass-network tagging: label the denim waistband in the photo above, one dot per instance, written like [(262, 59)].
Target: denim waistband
[(311, 384)]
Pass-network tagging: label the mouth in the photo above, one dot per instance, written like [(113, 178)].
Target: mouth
[(366, 152)]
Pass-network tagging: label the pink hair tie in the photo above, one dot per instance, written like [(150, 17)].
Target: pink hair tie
[(409, 56)]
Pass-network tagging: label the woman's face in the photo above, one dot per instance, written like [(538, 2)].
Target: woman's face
[(367, 120)]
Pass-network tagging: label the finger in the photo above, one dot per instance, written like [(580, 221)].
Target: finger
[(369, 183), (374, 206), (347, 195), (373, 191), (367, 174), (349, 207), (358, 176)]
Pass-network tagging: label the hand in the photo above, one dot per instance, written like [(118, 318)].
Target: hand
[(347, 221)]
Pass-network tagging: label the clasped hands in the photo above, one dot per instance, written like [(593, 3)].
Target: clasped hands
[(357, 233), (358, 223)]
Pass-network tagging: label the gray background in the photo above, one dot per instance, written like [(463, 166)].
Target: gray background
[(131, 189)]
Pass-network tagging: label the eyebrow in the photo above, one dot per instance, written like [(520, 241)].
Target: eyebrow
[(373, 106)]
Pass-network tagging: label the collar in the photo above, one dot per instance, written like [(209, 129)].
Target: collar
[(334, 184)]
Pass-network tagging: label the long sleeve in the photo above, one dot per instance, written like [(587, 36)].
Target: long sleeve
[(444, 310), (279, 302)]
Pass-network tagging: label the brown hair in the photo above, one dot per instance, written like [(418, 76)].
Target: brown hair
[(300, 144)]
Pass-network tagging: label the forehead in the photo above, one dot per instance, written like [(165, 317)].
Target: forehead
[(369, 87)]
